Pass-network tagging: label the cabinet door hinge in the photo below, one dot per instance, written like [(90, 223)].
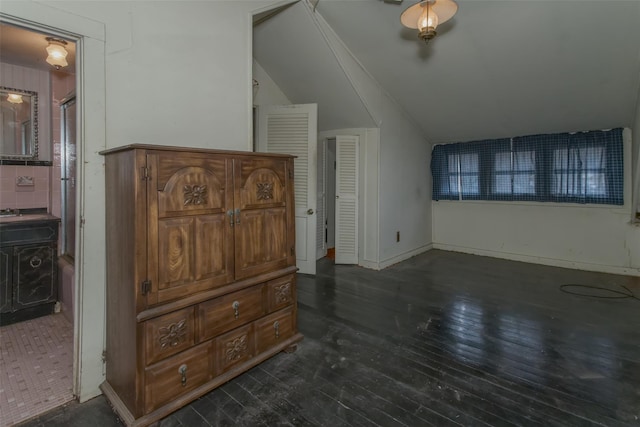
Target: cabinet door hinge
[(293, 250), (145, 173), (290, 173), (104, 356), (145, 287)]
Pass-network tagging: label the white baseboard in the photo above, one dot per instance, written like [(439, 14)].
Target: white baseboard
[(554, 262), (396, 259)]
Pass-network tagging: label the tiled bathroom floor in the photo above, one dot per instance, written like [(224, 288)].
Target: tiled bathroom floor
[(36, 367)]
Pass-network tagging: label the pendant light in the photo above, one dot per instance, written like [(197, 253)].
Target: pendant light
[(426, 15), (57, 52)]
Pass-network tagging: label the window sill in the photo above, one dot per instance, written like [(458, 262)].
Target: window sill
[(621, 209)]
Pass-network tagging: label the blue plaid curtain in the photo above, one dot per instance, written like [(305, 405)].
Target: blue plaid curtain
[(583, 167)]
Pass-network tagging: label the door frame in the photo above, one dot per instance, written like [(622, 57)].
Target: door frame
[(89, 313), (368, 185)]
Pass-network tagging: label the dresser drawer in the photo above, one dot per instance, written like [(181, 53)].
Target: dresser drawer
[(169, 334), (230, 311), (167, 380), (281, 292), (234, 347), (274, 328)]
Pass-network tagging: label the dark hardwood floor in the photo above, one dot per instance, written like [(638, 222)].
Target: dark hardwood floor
[(441, 339)]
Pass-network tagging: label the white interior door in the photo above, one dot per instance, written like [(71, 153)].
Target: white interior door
[(321, 201), (292, 129), (347, 200)]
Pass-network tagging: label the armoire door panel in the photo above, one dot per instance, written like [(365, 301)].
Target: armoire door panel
[(250, 244), (275, 221), (171, 163), (175, 252), (261, 241), (213, 249), (260, 183), (193, 255), (192, 191), (190, 235)]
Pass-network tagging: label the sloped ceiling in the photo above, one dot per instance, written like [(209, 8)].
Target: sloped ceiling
[(297, 58), (497, 69)]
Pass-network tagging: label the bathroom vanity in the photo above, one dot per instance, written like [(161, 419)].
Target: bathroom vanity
[(28, 265)]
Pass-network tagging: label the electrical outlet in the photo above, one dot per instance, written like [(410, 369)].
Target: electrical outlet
[(397, 236)]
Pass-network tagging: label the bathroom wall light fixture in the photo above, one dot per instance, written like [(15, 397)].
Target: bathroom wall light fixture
[(14, 98), (426, 15), (57, 52)]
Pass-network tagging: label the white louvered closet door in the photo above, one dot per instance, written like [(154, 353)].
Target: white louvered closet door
[(347, 200), (292, 129), (321, 204)]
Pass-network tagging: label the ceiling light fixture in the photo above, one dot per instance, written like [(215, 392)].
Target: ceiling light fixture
[(14, 98), (426, 15), (57, 52)]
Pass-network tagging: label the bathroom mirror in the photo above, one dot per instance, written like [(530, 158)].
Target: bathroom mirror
[(18, 124)]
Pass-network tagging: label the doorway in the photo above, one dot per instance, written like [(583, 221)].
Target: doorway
[(38, 354), (338, 207)]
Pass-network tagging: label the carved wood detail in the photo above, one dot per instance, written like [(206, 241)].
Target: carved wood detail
[(195, 195), (283, 293), (236, 348), (265, 190), (172, 335)]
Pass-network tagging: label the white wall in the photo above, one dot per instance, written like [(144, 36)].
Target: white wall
[(156, 72), (267, 92), (405, 188), (402, 178), (178, 73), (590, 237)]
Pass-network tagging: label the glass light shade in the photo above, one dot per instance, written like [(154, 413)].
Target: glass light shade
[(427, 19), (14, 98), (57, 54), (444, 9)]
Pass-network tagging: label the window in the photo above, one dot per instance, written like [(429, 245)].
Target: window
[(583, 167), (514, 172), (458, 169)]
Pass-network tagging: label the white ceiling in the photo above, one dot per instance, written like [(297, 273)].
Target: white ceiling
[(497, 69)]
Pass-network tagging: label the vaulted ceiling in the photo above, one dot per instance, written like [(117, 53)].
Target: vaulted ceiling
[(497, 69)]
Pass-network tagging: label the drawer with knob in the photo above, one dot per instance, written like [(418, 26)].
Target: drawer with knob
[(230, 311), (274, 328), (234, 347), (169, 334), (281, 292), (177, 375)]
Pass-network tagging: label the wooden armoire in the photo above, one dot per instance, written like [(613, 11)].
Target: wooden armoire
[(200, 272)]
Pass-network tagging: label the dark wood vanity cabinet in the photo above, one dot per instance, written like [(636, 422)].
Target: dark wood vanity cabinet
[(201, 277), (28, 267)]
